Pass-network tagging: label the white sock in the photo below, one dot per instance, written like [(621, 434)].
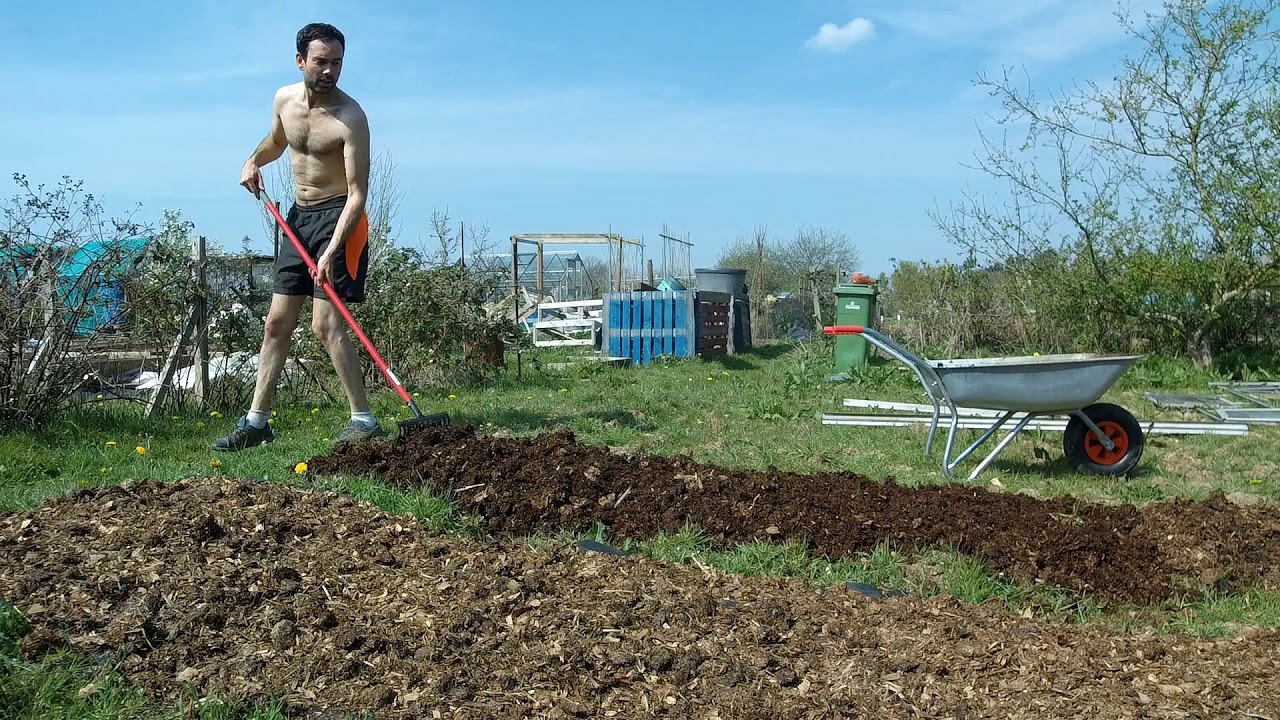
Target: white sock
[(364, 418), (259, 419)]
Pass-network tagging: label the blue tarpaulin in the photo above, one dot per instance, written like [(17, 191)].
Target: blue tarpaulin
[(103, 300)]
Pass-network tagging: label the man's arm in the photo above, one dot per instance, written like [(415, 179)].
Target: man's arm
[(355, 159), (270, 149)]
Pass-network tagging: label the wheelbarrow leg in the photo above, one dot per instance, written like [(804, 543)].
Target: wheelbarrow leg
[(1017, 429), (933, 425), (986, 435)]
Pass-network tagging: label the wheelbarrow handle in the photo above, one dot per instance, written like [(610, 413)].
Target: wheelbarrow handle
[(883, 342), (925, 372)]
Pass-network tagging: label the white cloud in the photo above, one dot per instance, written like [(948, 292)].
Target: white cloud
[(1031, 30), (838, 38)]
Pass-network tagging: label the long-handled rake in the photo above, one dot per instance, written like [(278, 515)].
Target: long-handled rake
[(418, 421)]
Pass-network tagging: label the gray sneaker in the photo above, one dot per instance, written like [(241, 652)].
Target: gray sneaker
[(244, 436), (356, 431)]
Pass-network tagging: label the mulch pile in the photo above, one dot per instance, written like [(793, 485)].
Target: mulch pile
[(1113, 553), (249, 590)]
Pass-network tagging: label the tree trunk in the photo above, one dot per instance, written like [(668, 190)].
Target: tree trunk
[(1198, 348)]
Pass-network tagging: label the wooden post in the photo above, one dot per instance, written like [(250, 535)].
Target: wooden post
[(515, 279), (171, 364), (618, 287), (202, 322), (651, 272), (539, 271), (813, 288)]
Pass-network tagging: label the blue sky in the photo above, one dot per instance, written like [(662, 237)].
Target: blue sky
[(555, 116)]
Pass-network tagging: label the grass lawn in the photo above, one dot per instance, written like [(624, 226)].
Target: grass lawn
[(754, 411)]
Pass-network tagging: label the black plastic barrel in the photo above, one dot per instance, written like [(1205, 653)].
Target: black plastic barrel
[(725, 280)]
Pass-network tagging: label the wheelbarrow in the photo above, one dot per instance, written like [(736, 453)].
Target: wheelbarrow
[(1100, 438)]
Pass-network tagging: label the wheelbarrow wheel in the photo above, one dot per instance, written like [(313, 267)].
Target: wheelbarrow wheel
[(1086, 453)]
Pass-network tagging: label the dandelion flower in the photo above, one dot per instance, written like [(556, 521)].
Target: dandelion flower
[(102, 470), (530, 397), (564, 389), (453, 397), (300, 468), (111, 443), (215, 463), (315, 410), (199, 423), (417, 394), (140, 450)]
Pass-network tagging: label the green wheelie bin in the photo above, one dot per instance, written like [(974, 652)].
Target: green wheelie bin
[(855, 305)]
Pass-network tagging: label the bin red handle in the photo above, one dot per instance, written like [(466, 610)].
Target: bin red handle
[(843, 329)]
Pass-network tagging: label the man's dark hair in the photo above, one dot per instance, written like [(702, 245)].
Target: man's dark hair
[(318, 31)]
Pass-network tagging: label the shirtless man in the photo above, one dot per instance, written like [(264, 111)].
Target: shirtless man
[(328, 135)]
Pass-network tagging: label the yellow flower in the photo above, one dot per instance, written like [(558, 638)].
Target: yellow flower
[(102, 470), (300, 468), (111, 443), (271, 421), (315, 410), (564, 389), (140, 450), (1255, 482), (417, 395), (725, 373), (99, 397), (199, 423), (215, 413), (453, 397), (273, 413), (530, 397)]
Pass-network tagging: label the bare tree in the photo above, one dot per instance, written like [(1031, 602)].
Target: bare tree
[(818, 252), (1160, 186), (466, 239)]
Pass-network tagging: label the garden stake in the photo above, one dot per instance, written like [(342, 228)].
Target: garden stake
[(418, 421)]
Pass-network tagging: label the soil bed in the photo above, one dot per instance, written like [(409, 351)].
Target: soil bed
[(1114, 553), (249, 590)]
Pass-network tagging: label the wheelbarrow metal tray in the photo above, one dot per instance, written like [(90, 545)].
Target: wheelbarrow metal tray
[(1034, 383)]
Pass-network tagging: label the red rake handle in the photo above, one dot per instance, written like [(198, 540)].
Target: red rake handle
[(843, 330), (342, 307)]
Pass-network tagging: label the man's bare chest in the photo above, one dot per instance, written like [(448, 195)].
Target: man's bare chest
[(312, 133)]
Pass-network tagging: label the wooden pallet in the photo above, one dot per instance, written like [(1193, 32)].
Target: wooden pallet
[(716, 318), (645, 325)]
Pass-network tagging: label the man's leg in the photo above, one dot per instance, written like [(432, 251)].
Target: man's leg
[(282, 319), (331, 329), (253, 429)]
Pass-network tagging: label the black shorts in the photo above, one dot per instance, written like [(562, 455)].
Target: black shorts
[(314, 225)]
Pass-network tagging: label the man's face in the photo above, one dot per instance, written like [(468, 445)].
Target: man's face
[(322, 65)]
